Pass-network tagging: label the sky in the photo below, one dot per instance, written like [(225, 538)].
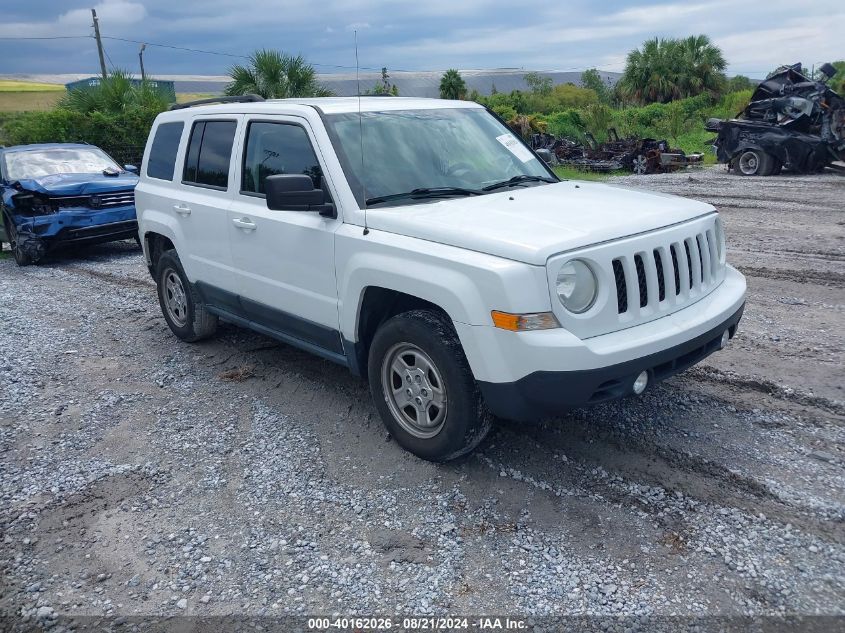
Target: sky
[(755, 36)]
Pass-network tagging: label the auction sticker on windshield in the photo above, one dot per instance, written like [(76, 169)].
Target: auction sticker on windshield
[(516, 148)]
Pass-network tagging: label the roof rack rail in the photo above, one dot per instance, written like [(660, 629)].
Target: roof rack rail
[(234, 99)]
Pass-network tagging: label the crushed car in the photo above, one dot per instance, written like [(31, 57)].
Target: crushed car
[(792, 122), (61, 194), (634, 154)]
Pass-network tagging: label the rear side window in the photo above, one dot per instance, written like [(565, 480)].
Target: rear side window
[(209, 152), (277, 148), (162, 160)]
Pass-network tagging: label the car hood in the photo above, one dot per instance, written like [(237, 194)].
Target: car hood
[(531, 224), (78, 184)]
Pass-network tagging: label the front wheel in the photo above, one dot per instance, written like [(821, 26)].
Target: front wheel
[(423, 387), (181, 306)]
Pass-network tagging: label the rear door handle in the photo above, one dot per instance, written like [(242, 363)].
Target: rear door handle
[(182, 209), (244, 223)]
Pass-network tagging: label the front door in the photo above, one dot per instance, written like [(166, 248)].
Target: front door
[(283, 261)]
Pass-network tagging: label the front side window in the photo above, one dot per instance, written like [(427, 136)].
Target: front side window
[(277, 148), (209, 153), (162, 159), (385, 154), (20, 165)]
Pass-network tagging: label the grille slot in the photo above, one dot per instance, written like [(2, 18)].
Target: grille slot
[(642, 283), (689, 261), (676, 268), (621, 286), (661, 282)]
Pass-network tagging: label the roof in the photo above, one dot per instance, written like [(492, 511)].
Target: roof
[(38, 146), (328, 105)]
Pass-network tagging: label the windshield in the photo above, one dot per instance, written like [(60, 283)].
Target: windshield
[(65, 160), (408, 150)]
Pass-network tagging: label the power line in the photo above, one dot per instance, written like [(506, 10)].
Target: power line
[(56, 37)]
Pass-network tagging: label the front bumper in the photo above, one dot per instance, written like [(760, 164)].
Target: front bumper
[(546, 393)]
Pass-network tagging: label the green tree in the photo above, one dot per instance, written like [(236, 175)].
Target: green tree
[(538, 84), (116, 94), (739, 83), (596, 119), (383, 86), (452, 85), (275, 75), (837, 82), (668, 69), (591, 79)]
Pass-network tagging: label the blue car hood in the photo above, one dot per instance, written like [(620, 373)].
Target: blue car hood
[(79, 184)]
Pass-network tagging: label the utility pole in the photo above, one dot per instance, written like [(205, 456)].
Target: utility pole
[(141, 57), (99, 43)]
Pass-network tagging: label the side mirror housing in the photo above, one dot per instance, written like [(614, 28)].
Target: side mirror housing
[(545, 154), (295, 192), (132, 169)]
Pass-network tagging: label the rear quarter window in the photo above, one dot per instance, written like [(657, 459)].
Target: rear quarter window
[(209, 154), (162, 160)]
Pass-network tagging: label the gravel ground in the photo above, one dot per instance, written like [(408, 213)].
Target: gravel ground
[(144, 476)]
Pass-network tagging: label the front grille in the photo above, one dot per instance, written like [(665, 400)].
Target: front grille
[(116, 199), (95, 201), (643, 280)]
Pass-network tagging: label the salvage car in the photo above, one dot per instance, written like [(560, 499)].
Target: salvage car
[(424, 246), (792, 122), (59, 194)]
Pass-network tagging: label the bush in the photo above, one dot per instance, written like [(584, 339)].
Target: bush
[(123, 135)]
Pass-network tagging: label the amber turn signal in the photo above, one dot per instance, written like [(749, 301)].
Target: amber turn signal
[(524, 322)]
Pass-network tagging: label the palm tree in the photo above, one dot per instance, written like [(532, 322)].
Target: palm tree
[(668, 69), (115, 94), (452, 85), (275, 75)]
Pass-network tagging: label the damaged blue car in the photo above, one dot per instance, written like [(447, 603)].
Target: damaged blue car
[(60, 194)]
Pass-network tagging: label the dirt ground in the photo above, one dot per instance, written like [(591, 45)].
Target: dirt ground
[(144, 476)]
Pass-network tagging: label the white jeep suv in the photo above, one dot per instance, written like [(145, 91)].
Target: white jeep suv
[(421, 244)]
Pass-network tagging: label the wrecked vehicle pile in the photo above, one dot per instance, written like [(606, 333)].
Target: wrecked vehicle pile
[(61, 193), (792, 122), (637, 155)]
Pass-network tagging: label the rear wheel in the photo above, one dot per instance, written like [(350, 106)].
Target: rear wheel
[(181, 305), (423, 387), (755, 162)]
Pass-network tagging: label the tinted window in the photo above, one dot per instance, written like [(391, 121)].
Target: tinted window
[(209, 151), (163, 152), (277, 148)]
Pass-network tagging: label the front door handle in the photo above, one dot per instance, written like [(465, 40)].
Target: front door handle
[(182, 209), (244, 223)]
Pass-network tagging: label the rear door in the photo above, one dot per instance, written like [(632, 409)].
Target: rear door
[(283, 261), (202, 200)]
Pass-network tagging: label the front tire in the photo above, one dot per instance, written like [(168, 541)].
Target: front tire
[(423, 388), (181, 305)]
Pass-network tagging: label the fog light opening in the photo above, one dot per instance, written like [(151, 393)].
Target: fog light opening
[(726, 336), (641, 382)]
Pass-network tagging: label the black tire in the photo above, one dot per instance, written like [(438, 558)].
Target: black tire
[(21, 258), (754, 162), (466, 421), (192, 322)]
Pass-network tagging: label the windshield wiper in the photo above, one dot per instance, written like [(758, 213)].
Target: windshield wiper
[(516, 180), (425, 192)]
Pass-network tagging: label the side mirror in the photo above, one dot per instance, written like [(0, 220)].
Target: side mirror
[(295, 192), (545, 154), (132, 169)]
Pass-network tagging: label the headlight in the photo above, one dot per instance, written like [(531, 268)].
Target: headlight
[(720, 240), (576, 286)]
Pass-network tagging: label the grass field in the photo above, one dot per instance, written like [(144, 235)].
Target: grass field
[(9, 85), (23, 96), (182, 97), (570, 173)]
